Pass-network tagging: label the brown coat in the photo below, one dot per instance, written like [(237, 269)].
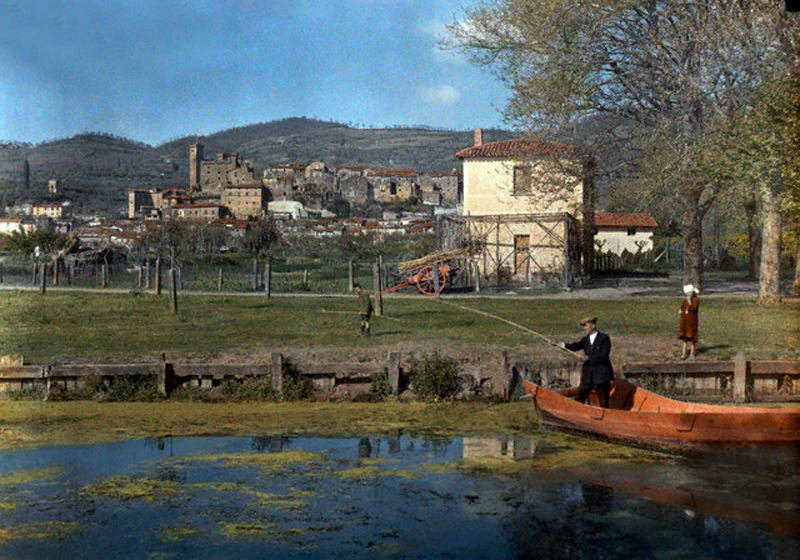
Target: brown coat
[(688, 327)]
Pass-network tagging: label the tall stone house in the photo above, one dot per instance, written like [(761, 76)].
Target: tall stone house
[(528, 208), (246, 201)]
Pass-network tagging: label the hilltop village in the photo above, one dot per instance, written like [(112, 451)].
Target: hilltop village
[(226, 188), (525, 207)]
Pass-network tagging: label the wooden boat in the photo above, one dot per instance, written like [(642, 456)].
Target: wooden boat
[(640, 416)]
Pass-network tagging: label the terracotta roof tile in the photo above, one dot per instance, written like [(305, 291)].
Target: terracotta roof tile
[(518, 148), (610, 219)]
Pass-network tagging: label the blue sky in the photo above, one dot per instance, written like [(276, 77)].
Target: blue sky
[(155, 70)]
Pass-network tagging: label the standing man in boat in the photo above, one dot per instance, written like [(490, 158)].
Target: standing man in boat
[(597, 372)]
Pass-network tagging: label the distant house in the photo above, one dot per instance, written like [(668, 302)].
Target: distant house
[(48, 210), (620, 232), (10, 225), (245, 201), (207, 211)]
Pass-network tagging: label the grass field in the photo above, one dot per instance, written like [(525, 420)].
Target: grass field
[(114, 327)]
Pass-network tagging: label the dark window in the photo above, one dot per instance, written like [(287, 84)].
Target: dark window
[(631, 231), (522, 180)]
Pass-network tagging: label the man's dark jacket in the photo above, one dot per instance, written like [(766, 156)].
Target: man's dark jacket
[(597, 367)]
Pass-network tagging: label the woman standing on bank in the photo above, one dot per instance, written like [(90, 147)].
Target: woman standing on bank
[(687, 331)]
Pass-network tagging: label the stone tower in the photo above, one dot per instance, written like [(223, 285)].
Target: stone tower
[(195, 159)]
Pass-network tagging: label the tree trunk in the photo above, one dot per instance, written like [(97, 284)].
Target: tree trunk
[(769, 277), (753, 236), (797, 268), (692, 238)]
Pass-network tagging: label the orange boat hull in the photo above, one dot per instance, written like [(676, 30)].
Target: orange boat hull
[(640, 416)]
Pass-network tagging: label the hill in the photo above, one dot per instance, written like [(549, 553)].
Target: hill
[(97, 169)]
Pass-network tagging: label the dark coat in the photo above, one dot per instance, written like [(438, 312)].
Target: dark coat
[(364, 303), (597, 367), (687, 330)]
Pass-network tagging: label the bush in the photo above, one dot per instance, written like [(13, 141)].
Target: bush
[(133, 388), (253, 389), (295, 386), (435, 378), (380, 384)]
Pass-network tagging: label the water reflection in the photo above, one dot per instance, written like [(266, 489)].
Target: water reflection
[(512, 448), (400, 496)]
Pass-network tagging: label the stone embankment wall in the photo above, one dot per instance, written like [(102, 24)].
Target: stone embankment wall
[(491, 376)]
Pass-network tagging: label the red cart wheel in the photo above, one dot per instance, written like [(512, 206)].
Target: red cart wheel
[(425, 283)]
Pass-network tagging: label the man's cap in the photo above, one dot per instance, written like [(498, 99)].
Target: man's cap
[(589, 320)]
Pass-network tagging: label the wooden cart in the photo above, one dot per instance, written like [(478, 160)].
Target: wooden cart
[(423, 273)]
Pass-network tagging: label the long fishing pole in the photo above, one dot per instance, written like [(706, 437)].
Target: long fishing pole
[(356, 313), (513, 324)]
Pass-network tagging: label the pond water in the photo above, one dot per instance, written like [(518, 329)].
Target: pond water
[(556, 496)]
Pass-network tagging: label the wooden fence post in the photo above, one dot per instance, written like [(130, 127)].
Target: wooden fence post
[(739, 377), (376, 281), (477, 278), (1, 273), (350, 275), (157, 279), (35, 275), (139, 277), (147, 275), (436, 286), (276, 370), (255, 274), (55, 273), (268, 278), (219, 279), (394, 372), (173, 292), (305, 279), (162, 376), (42, 278)]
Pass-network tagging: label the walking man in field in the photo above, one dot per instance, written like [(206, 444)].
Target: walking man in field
[(364, 308), (597, 372)]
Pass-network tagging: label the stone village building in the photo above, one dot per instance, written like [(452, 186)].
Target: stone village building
[(528, 208), (210, 177)]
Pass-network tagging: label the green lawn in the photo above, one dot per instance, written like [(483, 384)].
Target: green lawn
[(114, 327)]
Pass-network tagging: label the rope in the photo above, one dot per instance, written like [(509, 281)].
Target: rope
[(513, 324), (356, 313)]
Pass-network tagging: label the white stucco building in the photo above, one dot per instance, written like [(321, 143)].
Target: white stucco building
[(529, 203), (620, 232)]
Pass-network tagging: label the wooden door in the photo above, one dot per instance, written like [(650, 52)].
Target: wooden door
[(522, 246)]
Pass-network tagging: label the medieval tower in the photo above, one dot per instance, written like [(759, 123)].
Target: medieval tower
[(195, 160)]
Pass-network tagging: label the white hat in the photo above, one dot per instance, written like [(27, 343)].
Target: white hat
[(689, 288)]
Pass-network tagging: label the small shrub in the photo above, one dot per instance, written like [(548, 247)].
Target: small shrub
[(27, 394), (133, 388), (252, 389), (380, 384), (192, 393), (295, 386), (435, 378)]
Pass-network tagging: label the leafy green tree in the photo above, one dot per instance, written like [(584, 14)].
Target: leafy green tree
[(662, 70)]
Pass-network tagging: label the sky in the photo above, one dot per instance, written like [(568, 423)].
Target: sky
[(152, 70)]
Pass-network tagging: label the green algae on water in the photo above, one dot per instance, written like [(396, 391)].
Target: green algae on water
[(36, 530), (15, 478), (126, 487)]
